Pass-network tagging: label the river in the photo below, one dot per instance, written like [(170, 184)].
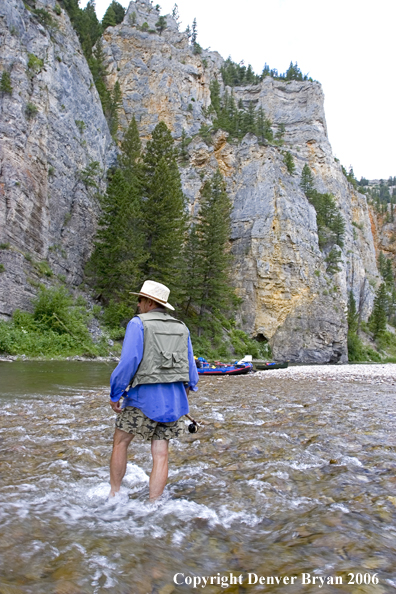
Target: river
[(291, 476)]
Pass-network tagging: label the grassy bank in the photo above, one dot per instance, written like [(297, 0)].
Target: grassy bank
[(57, 327)]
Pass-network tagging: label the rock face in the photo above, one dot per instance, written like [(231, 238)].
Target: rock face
[(288, 298), (51, 128), (280, 272)]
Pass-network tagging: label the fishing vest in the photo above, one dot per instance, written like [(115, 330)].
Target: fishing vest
[(165, 353)]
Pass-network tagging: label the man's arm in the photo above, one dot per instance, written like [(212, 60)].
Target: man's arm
[(131, 356), (193, 380)]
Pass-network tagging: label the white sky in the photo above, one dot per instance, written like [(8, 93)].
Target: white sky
[(347, 45)]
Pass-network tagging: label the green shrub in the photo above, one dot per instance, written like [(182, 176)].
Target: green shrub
[(57, 9), (57, 327), (44, 268), (4, 246), (80, 125), (44, 17), (5, 83), (2, 268), (358, 352), (30, 110), (34, 63)]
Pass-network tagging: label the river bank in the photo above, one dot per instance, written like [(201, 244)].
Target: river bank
[(11, 358)]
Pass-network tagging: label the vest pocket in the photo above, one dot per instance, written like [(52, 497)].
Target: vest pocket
[(166, 360), (169, 360)]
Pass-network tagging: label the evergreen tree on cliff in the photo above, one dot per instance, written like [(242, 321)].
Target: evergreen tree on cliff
[(118, 249), (164, 219), (377, 320), (307, 182), (114, 15), (213, 260), (115, 265)]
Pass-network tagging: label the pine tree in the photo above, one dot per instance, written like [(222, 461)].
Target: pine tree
[(194, 33), (113, 109), (214, 259), (131, 147), (333, 259), (263, 127), (250, 120), (163, 211), (307, 182), (161, 24), (388, 273), (109, 18), (352, 314), (192, 271), (114, 15), (338, 228), (99, 72), (289, 162), (377, 320), (118, 249), (175, 15)]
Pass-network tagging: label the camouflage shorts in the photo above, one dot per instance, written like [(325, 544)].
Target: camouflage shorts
[(133, 420)]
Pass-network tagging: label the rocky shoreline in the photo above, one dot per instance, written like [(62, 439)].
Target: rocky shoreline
[(376, 373)]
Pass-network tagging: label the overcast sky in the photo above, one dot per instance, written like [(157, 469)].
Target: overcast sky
[(347, 45)]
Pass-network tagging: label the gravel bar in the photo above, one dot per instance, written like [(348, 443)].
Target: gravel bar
[(373, 374)]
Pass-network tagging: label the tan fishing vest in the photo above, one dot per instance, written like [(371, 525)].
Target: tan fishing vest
[(165, 353)]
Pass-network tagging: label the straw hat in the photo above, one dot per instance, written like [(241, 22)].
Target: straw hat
[(155, 291)]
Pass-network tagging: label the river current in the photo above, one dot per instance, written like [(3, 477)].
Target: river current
[(287, 478)]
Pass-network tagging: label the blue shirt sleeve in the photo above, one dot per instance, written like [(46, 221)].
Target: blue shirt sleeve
[(131, 356), (192, 384)]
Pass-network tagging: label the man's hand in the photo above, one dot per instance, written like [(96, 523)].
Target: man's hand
[(116, 406)]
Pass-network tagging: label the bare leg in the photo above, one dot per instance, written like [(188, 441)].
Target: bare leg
[(159, 474), (118, 460)]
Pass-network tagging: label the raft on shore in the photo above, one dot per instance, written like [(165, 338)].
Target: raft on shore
[(264, 366), (218, 368)]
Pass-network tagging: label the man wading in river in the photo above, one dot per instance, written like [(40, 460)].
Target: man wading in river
[(157, 369)]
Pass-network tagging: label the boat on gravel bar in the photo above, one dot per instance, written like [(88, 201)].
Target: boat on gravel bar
[(218, 368), (267, 366)]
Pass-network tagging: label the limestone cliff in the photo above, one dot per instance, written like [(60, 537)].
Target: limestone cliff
[(280, 272), (51, 128)]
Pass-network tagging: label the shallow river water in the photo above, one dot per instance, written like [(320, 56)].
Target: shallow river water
[(289, 477)]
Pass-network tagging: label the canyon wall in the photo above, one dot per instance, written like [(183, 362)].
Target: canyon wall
[(52, 129), (279, 271)]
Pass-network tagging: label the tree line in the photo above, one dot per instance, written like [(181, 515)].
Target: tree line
[(238, 75)]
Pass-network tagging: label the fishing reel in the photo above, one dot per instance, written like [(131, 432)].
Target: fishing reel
[(193, 427)]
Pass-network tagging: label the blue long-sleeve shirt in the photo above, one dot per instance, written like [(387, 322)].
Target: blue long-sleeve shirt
[(159, 402)]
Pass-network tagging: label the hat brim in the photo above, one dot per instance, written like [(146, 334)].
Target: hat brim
[(168, 305)]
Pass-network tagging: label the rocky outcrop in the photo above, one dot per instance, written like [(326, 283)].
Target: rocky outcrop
[(280, 272), (288, 298), (51, 128)]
